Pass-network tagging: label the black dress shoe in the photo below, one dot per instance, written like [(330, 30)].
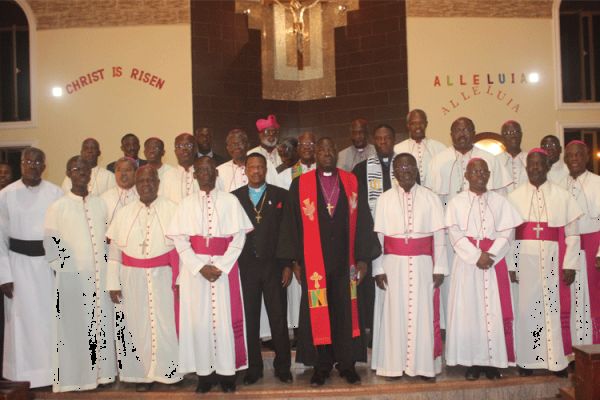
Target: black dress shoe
[(472, 373), (351, 376), (318, 378), (492, 373), (204, 387), (562, 373), (284, 376), (525, 372), (428, 379), (143, 387), (228, 387), (252, 377)]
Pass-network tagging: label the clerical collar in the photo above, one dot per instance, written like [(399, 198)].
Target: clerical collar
[(360, 150), (209, 154), (384, 160), (256, 193), (327, 174)]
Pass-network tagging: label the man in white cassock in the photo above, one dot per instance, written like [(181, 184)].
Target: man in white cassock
[(545, 258), (209, 230), (513, 158), (179, 182), (584, 186), (84, 340), (142, 270), (479, 325), (101, 179), (409, 221), (268, 134), (421, 147), (26, 279), (558, 169), (124, 193), (154, 151)]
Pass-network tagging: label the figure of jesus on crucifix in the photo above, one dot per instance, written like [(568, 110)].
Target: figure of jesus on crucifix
[(297, 9)]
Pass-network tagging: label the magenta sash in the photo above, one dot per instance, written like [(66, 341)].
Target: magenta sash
[(412, 247), (503, 280), (590, 243), (170, 258), (217, 246), (528, 231)]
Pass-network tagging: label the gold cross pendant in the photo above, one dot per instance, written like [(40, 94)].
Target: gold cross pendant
[(330, 207)]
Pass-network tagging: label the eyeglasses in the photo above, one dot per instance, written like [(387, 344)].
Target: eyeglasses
[(187, 146), (32, 163), (79, 170), (307, 145), (511, 132)]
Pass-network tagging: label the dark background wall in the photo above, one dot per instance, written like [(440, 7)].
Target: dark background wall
[(371, 73)]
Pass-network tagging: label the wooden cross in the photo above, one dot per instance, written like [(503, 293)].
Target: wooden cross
[(316, 278), (537, 230), (330, 207)]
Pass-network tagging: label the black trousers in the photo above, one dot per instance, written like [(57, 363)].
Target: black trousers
[(215, 378), (260, 277)]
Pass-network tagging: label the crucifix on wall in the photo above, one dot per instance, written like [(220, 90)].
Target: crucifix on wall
[(297, 45)]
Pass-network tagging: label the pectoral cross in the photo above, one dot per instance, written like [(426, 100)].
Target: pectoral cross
[(144, 246), (330, 207), (258, 218), (537, 230), (315, 277)]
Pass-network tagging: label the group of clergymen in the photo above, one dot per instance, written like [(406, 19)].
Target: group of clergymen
[(153, 271)]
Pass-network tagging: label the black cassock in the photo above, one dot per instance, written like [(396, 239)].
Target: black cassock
[(344, 350)]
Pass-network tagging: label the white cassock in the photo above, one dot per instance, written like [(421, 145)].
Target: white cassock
[(476, 333), (231, 177), (146, 336), (350, 156), (586, 191), (84, 352), (516, 167), (28, 315), (273, 156), (177, 183), (558, 172), (294, 290), (117, 198), (403, 327), (539, 334), (100, 181), (163, 170), (446, 177), (424, 151), (206, 338)]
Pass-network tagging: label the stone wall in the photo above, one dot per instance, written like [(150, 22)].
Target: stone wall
[(480, 8)]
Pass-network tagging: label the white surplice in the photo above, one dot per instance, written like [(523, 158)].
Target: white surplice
[(558, 172), (516, 167), (232, 176), (206, 338), (424, 151), (150, 353), (538, 333), (177, 183), (117, 198), (100, 181), (586, 191), (28, 315), (84, 352), (163, 170), (403, 330), (273, 156), (474, 324)]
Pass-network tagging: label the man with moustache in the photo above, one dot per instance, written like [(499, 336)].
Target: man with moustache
[(545, 259), (101, 179), (409, 220), (26, 279), (584, 187), (204, 136), (75, 229), (268, 134), (360, 149), (130, 146), (154, 151), (261, 273), (179, 182), (124, 193), (6, 175), (417, 144), (558, 169), (328, 231), (513, 158), (143, 266), (209, 231), (479, 327)]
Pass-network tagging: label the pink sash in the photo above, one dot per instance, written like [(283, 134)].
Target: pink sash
[(172, 259), (412, 247), (217, 246), (590, 243), (530, 231), (503, 280)]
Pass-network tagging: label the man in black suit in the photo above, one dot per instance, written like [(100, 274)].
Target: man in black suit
[(130, 146), (203, 136), (262, 274)]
